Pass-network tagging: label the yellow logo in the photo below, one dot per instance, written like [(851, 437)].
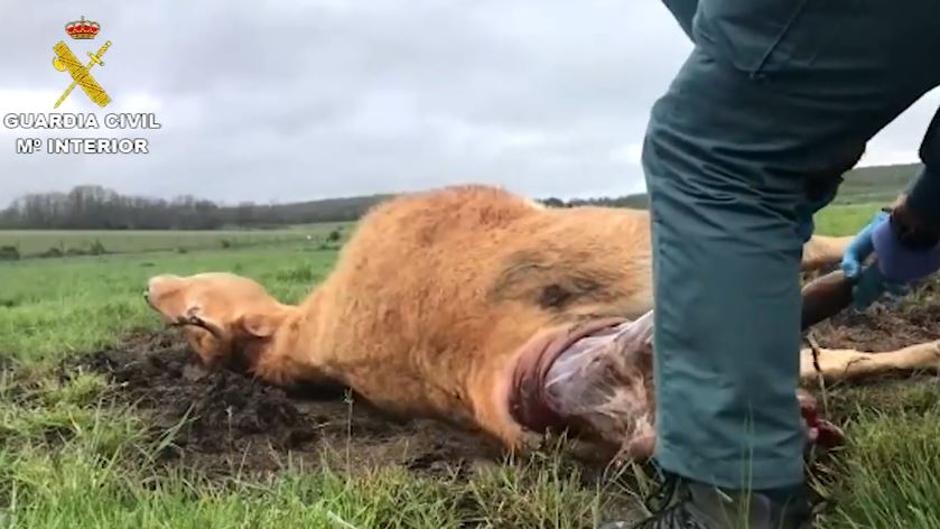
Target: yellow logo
[(65, 60)]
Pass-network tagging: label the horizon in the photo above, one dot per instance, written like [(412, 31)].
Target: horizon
[(225, 204)]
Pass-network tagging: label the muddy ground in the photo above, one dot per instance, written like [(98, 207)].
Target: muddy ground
[(226, 422), (886, 326), (229, 423)]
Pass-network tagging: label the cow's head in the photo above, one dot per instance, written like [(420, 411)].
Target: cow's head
[(228, 320)]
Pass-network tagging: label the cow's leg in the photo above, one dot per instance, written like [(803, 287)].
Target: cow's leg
[(821, 252), (847, 364)]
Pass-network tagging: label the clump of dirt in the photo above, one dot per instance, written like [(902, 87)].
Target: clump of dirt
[(886, 325), (225, 420)]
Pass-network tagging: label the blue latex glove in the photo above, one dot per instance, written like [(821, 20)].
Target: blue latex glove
[(861, 247), (871, 285), (870, 282)]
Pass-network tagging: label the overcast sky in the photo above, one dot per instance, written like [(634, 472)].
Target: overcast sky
[(289, 100)]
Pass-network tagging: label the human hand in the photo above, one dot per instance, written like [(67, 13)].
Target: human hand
[(869, 283), (896, 266)]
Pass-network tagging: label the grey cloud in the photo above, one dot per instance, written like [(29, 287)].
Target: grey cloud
[(290, 101)]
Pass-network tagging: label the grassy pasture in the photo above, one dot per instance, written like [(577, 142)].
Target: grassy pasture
[(72, 457), (59, 306), (35, 242), (845, 219)]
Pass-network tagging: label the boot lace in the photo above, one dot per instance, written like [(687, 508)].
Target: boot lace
[(665, 516)]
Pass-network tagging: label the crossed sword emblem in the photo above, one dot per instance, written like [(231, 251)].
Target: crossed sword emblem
[(81, 76)]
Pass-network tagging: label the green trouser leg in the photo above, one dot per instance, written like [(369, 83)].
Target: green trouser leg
[(733, 159)]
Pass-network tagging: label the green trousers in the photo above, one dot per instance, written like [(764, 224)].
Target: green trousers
[(776, 101)]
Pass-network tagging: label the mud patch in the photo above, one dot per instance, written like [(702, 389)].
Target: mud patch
[(887, 325), (225, 422)]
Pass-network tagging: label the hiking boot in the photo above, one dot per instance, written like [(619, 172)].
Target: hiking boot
[(701, 506)]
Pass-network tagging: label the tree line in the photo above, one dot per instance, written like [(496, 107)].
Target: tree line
[(96, 207), (635, 201)]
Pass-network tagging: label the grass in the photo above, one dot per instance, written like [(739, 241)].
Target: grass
[(53, 307), (845, 219), (102, 493), (888, 476), (68, 457), (71, 457)]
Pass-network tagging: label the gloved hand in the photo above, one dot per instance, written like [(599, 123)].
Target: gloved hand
[(868, 283), (900, 262), (895, 268)]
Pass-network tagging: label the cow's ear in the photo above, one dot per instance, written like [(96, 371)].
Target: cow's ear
[(261, 324)]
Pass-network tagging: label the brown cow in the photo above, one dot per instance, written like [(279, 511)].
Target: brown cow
[(467, 304)]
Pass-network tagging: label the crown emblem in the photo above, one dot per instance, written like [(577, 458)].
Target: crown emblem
[(82, 29)]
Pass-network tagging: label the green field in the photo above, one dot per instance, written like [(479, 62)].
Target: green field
[(31, 243), (58, 306), (70, 457), (845, 219)]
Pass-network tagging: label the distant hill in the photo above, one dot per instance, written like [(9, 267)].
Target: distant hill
[(876, 183), (861, 185)]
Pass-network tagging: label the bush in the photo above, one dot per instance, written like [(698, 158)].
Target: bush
[(53, 251), (97, 248), (9, 253)]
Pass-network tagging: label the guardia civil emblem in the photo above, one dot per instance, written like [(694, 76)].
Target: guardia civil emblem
[(65, 61)]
